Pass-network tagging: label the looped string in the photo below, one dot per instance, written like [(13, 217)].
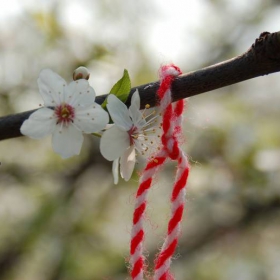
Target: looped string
[(172, 120)]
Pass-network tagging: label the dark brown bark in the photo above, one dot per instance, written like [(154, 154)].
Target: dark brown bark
[(262, 58)]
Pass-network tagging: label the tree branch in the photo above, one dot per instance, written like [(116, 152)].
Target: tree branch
[(262, 58)]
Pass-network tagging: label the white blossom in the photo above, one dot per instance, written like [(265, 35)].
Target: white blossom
[(134, 132), (68, 112)]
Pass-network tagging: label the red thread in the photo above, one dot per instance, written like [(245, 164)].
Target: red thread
[(164, 255), (177, 217), (137, 268), (139, 212), (144, 186), (172, 119), (136, 240), (178, 185)]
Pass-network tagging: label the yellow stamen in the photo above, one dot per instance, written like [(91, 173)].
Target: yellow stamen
[(65, 112)]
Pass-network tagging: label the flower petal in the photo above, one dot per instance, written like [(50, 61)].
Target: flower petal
[(40, 123), (127, 163), (119, 112), (91, 119), (134, 111), (135, 99), (79, 93), (67, 141), (115, 170), (113, 143), (51, 87)]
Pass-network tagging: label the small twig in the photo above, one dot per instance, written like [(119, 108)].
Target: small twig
[(262, 58)]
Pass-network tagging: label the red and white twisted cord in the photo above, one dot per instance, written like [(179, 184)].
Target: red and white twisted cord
[(172, 120)]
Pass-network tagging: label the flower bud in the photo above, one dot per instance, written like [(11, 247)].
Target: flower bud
[(81, 73)]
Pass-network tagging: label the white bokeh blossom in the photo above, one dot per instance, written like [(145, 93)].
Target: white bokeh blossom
[(68, 112), (134, 132)]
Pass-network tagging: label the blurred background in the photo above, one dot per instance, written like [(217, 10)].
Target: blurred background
[(64, 219)]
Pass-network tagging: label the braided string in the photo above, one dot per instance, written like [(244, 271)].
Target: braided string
[(172, 120)]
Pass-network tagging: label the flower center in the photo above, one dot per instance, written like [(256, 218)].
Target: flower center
[(144, 134), (131, 134), (65, 113)]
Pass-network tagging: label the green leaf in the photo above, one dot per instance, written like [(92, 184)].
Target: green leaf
[(121, 89)]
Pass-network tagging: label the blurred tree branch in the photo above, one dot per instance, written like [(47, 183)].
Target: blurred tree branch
[(262, 58), (47, 220), (253, 211)]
